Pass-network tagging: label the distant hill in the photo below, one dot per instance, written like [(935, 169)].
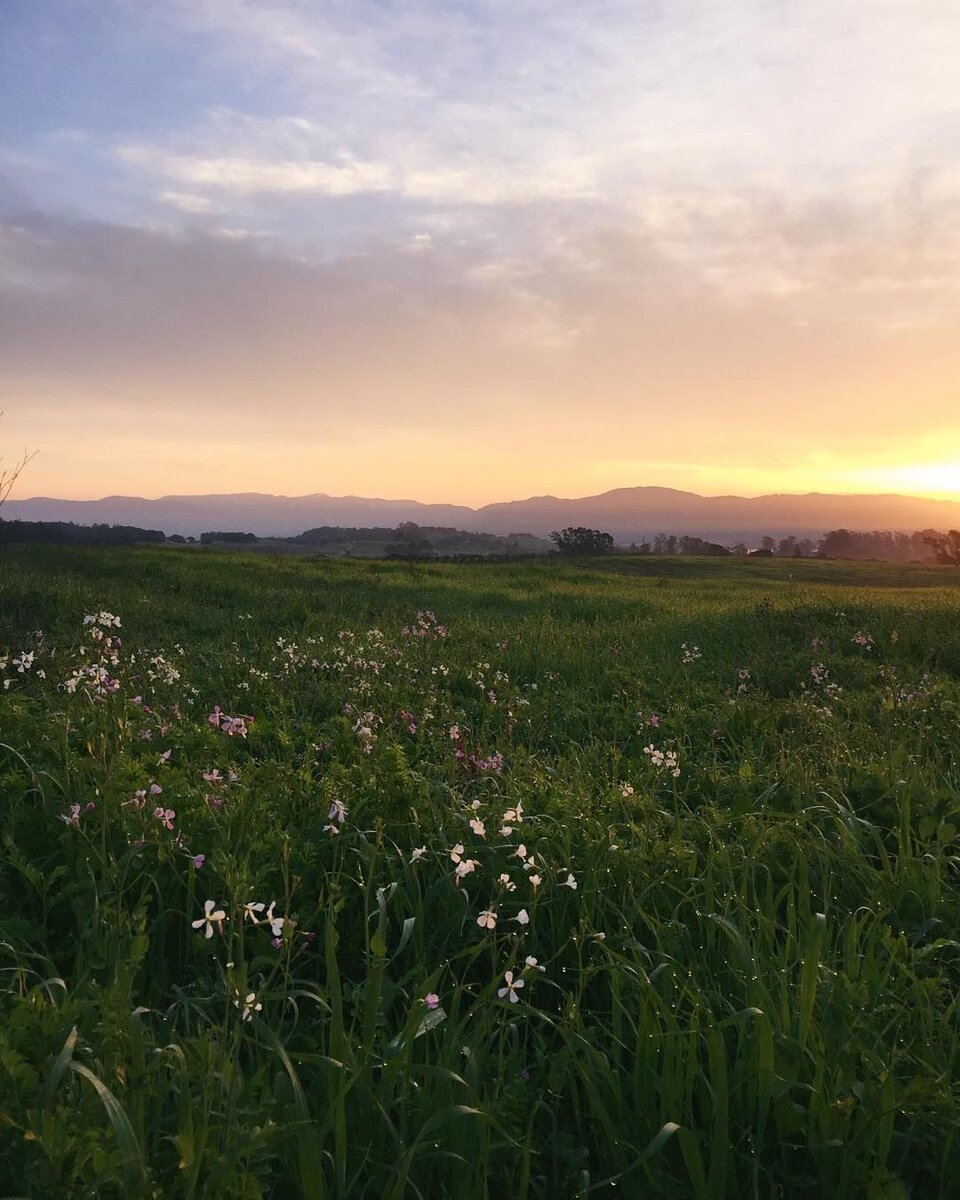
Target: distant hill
[(630, 514)]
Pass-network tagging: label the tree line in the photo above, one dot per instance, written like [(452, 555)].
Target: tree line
[(924, 545)]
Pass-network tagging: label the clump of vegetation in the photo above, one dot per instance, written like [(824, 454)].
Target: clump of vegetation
[(577, 539), (333, 879)]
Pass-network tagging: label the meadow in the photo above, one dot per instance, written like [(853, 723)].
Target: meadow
[(327, 879)]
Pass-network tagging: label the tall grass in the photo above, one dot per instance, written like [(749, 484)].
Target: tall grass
[(738, 981)]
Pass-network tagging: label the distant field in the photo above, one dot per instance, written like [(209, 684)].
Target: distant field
[(630, 878)]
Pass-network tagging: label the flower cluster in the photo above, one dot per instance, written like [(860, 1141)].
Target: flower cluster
[(663, 760), (231, 726), (425, 626)]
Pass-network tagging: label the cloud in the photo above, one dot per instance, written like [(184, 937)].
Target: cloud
[(250, 176), (190, 202)]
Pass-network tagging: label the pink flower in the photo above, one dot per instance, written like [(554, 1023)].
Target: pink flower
[(431, 1000)]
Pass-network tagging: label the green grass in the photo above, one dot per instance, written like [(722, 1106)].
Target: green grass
[(751, 992)]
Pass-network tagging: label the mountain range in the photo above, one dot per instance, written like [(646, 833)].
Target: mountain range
[(630, 514)]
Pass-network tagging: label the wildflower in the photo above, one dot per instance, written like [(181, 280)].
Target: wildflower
[(506, 882), (336, 817), (514, 814), (251, 1006), (626, 790), (213, 776), (72, 818), (252, 909), (456, 852), (211, 916), (478, 827), (487, 919), (522, 917), (165, 816), (419, 853), (431, 1001), (531, 963), (570, 882), (155, 789), (535, 881), (276, 923), (164, 758), (198, 860), (464, 868), (513, 986), (521, 851)]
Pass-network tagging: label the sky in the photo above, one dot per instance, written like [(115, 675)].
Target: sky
[(475, 250)]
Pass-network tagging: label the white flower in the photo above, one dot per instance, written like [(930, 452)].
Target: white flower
[(506, 882), (275, 923), (251, 1006), (456, 852), (251, 910), (478, 828), (522, 917), (532, 963), (210, 918), (513, 986), (570, 882), (419, 853), (487, 919)]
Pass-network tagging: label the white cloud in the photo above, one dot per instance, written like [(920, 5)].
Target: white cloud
[(190, 202)]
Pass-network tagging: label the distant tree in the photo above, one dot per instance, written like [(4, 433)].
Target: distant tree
[(177, 537), (739, 549), (805, 548), (411, 542), (226, 536), (946, 549), (580, 540), (787, 547), (768, 543), (692, 545)]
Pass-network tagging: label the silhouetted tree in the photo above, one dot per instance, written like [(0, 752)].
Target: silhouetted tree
[(947, 549), (580, 540)]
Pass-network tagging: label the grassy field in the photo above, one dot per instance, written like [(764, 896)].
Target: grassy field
[(330, 879)]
